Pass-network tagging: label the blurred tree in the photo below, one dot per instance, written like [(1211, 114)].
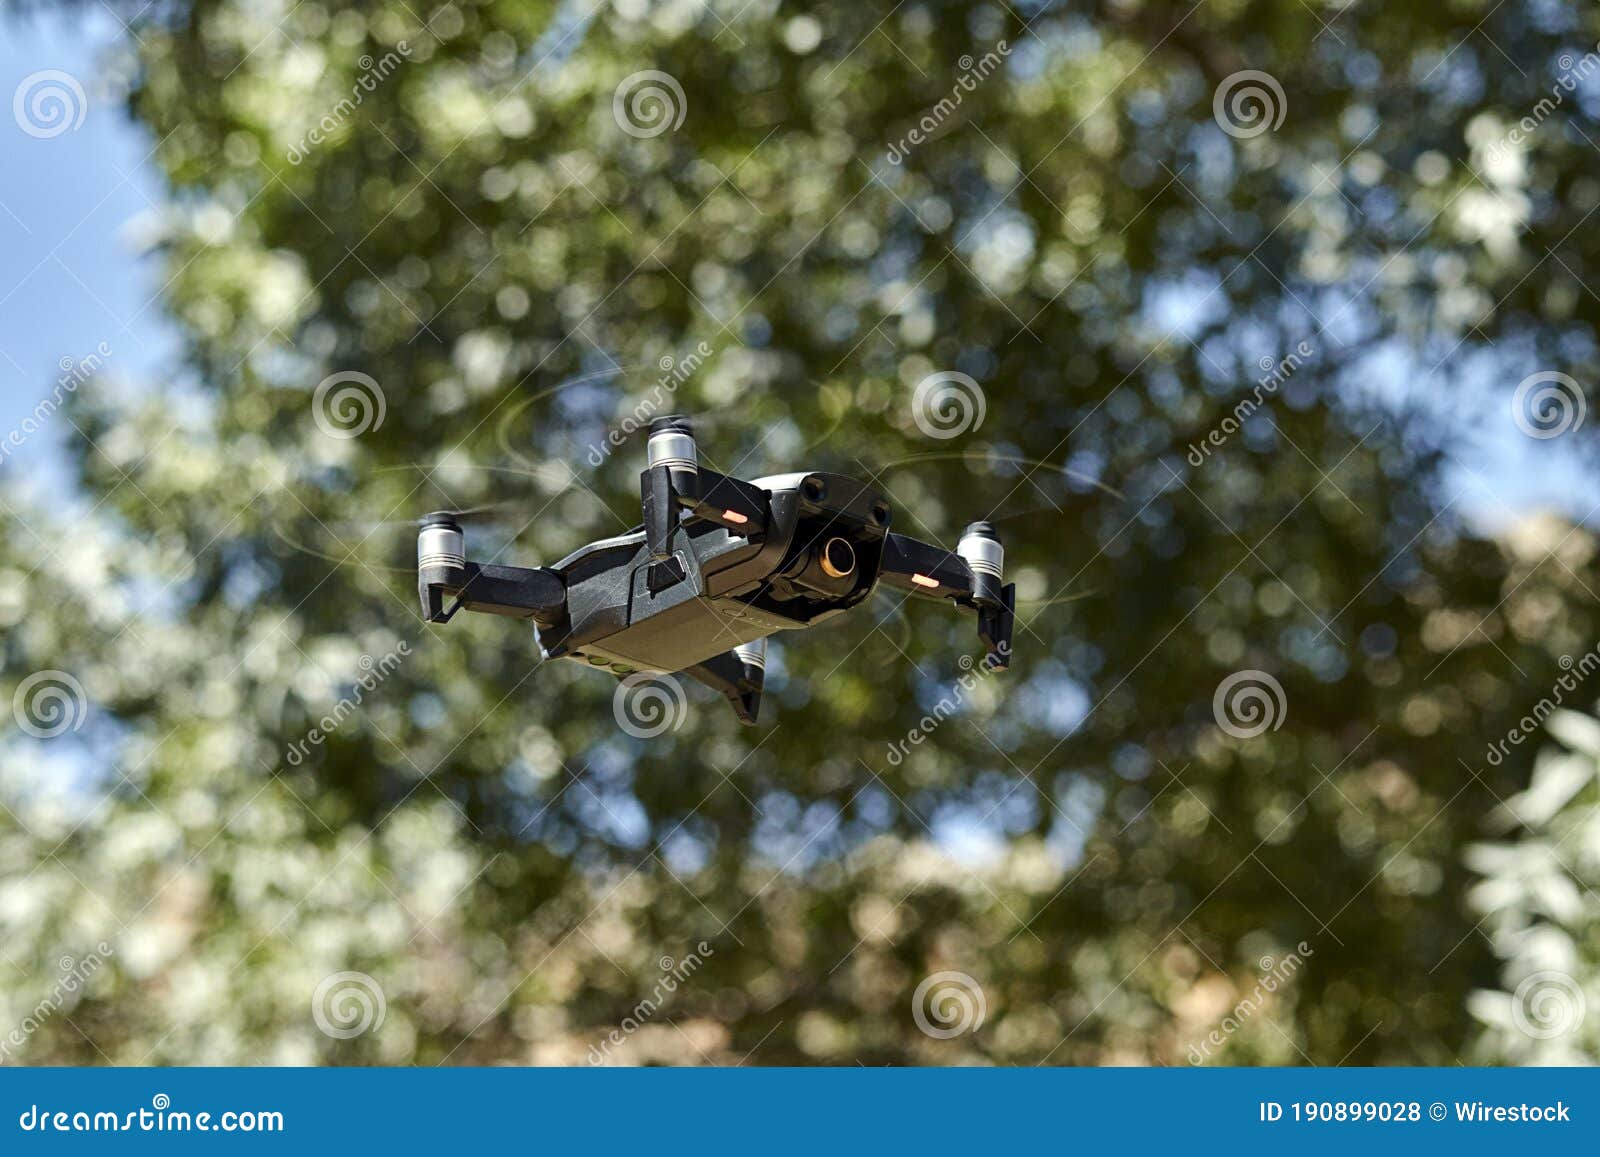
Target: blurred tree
[(1211, 270), (1539, 904)]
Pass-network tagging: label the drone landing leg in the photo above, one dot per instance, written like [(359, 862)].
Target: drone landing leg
[(739, 675), (674, 486), (659, 500)]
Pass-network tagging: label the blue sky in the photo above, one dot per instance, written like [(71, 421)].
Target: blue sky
[(70, 273)]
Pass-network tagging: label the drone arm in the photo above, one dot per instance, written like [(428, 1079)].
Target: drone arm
[(513, 591), (738, 674), (970, 577), (925, 570), (443, 572), (729, 502)]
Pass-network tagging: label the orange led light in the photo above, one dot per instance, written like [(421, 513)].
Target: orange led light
[(923, 580), (734, 516)]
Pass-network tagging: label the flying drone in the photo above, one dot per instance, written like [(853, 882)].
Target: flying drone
[(718, 565)]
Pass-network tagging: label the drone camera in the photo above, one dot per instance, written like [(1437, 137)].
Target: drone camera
[(837, 558), (826, 569)]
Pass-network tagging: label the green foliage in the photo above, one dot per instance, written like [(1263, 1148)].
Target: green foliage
[(1540, 909), (480, 236)]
